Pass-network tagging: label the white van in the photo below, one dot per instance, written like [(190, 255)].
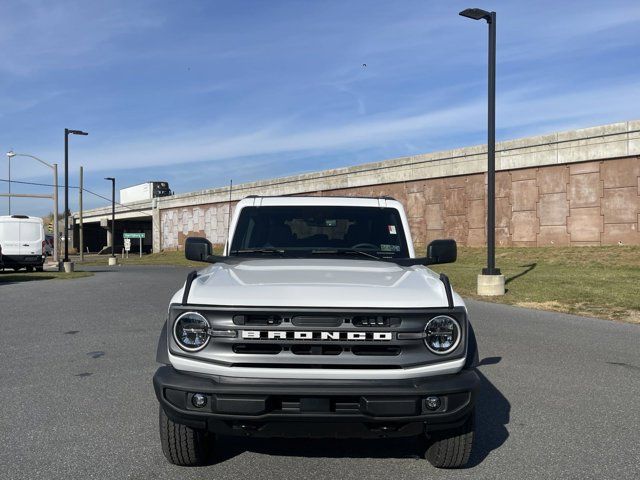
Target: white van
[(22, 240)]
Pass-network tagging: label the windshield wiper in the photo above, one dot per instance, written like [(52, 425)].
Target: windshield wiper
[(345, 252), (258, 250)]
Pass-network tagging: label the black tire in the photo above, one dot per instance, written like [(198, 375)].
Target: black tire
[(16, 269), (40, 269), (183, 445), (452, 448), (29, 269)]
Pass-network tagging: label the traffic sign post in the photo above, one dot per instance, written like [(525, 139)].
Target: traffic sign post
[(127, 246), (138, 235)]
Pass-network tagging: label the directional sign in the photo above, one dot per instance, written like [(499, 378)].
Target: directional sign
[(134, 235)]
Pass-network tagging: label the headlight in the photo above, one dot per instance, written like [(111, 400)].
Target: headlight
[(442, 334), (191, 331)]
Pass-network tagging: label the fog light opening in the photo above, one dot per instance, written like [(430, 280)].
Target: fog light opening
[(432, 403), (199, 400)]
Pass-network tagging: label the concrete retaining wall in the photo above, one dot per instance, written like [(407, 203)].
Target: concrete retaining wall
[(568, 188)]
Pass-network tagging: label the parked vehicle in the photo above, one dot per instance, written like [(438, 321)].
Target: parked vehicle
[(318, 320), (48, 244), (22, 240), (144, 191)]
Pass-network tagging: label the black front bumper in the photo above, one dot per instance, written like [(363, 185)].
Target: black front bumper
[(312, 408)]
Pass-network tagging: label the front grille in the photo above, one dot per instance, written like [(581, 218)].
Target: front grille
[(311, 338)]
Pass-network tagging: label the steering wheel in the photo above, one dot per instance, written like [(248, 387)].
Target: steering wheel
[(360, 245)]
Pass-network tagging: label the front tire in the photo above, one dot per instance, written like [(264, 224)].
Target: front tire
[(452, 448), (183, 445)]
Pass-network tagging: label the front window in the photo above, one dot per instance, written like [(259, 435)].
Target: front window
[(305, 231)]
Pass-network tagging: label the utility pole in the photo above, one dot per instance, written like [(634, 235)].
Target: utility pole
[(80, 230)]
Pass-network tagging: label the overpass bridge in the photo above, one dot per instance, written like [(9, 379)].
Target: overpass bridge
[(132, 217)]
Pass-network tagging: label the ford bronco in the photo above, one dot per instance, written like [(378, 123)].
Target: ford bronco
[(318, 320)]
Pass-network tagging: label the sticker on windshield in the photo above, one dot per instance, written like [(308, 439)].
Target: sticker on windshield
[(389, 248), (392, 229)]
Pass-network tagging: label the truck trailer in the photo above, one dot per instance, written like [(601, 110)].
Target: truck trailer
[(144, 191)]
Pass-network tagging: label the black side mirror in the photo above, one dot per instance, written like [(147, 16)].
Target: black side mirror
[(442, 251), (197, 249)]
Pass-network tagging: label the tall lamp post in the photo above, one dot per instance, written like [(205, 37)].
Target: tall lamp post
[(54, 168), (68, 266), (112, 258), (490, 282)]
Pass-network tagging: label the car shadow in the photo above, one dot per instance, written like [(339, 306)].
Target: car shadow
[(492, 416)]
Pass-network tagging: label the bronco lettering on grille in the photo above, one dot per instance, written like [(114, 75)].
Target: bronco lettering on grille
[(315, 335)]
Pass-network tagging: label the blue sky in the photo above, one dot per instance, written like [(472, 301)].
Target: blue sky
[(199, 92)]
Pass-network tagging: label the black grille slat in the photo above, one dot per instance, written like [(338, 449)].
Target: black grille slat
[(257, 349)]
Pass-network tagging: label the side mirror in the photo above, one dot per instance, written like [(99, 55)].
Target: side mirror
[(197, 249), (442, 251)]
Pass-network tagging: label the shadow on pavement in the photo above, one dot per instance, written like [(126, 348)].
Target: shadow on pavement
[(8, 278), (493, 412), (492, 416)]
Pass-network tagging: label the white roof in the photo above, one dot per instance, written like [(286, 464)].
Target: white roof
[(320, 201)]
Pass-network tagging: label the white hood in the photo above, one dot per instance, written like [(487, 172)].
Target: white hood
[(318, 283)]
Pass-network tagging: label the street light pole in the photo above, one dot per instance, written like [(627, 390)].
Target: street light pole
[(9, 156), (81, 229), (67, 132), (491, 282), (112, 260), (54, 168)]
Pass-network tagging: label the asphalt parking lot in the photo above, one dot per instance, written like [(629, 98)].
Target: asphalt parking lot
[(560, 396)]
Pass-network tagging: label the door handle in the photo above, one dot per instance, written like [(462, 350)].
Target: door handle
[(25, 244)]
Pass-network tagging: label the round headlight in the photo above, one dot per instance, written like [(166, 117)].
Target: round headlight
[(191, 331), (442, 334)]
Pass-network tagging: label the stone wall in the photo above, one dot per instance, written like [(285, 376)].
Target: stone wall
[(582, 203), (209, 221)]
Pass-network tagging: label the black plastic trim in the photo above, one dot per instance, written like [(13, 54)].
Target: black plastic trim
[(187, 286), (447, 288), (162, 351)]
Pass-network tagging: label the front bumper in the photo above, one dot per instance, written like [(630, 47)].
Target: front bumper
[(312, 408)]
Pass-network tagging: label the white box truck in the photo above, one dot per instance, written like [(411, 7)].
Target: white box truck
[(144, 191)]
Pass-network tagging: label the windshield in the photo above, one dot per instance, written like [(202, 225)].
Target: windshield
[(318, 230)]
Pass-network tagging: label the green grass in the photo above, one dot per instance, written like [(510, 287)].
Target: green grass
[(593, 281), (13, 277), (163, 258)]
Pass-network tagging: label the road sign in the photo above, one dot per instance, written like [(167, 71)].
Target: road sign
[(127, 244), (134, 235), (50, 228)]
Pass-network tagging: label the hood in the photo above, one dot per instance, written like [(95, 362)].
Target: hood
[(318, 283)]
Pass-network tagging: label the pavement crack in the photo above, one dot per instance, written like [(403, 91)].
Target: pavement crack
[(96, 354)]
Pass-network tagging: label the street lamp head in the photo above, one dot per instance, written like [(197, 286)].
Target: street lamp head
[(476, 14), (10, 154), (77, 132), (110, 179)]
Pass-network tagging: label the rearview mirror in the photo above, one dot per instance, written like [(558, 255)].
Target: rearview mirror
[(197, 249), (442, 251)]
